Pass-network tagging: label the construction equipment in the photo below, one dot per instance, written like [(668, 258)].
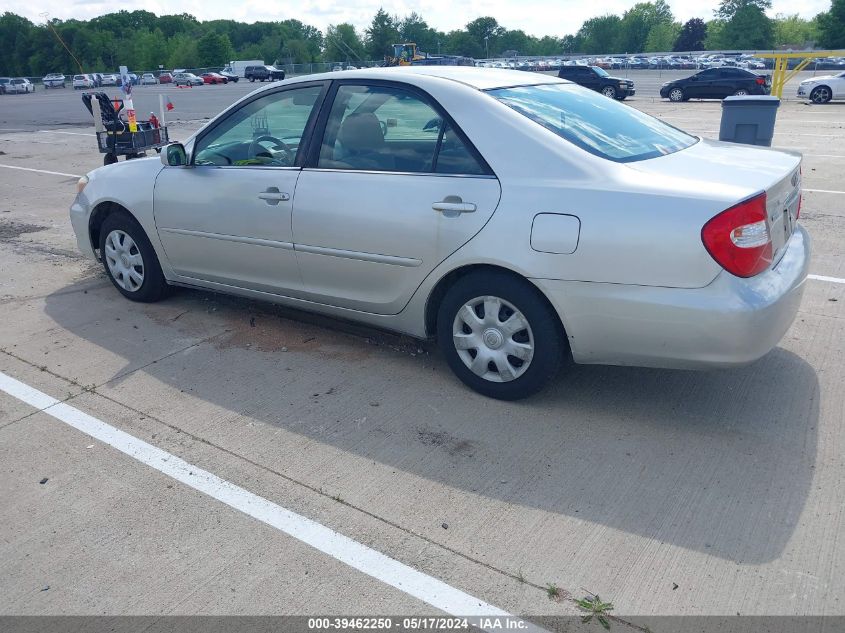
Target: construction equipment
[(781, 73), (404, 55)]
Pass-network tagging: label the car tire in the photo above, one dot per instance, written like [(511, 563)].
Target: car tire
[(742, 92), (609, 92), (124, 250), (252, 79), (676, 95), (109, 159), (820, 94), (540, 342)]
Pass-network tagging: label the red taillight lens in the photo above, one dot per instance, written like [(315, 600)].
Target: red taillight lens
[(760, 81), (739, 239)]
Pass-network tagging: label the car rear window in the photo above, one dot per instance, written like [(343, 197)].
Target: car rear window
[(594, 123)]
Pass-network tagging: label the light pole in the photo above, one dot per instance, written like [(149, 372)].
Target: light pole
[(487, 46)]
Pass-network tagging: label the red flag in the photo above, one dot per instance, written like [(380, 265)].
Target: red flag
[(169, 105)]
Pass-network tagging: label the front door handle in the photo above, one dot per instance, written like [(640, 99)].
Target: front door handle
[(273, 196), (453, 206)]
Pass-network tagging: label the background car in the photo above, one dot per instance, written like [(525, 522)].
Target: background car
[(264, 73), (82, 82), (110, 79), (230, 76), (165, 78), (715, 83), (20, 85), (54, 80), (187, 79), (4, 81), (823, 89), (148, 79), (597, 79), (511, 291), (213, 78)]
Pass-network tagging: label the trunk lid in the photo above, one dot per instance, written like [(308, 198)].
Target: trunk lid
[(740, 171)]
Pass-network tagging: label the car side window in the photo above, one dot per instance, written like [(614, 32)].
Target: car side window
[(380, 128), (265, 132), (454, 157)]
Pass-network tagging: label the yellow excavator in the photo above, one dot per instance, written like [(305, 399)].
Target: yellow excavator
[(404, 55), (407, 55)]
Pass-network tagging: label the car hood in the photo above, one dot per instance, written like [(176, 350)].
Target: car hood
[(819, 78), (734, 169)]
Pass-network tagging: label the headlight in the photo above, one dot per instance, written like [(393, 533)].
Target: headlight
[(80, 184)]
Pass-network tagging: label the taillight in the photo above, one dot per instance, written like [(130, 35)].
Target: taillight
[(739, 239), (760, 81)]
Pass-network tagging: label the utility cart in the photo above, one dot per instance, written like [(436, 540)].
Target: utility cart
[(113, 135)]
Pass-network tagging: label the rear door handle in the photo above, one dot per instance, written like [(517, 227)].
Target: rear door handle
[(273, 196), (453, 206)]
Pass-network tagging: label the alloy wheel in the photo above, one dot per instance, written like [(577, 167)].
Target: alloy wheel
[(124, 260), (676, 94), (493, 339), (820, 95)]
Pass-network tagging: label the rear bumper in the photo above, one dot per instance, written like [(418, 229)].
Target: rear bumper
[(732, 321)]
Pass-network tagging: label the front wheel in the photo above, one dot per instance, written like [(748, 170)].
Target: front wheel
[(129, 259), (676, 95), (499, 335), (820, 94), (609, 92)]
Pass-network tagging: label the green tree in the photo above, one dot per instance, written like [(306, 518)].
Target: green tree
[(343, 43), (749, 28), (484, 32), (414, 29), (692, 36), (831, 25), (214, 49), (662, 37), (382, 34), (462, 43), (793, 31), (638, 21), (600, 35), (729, 8)]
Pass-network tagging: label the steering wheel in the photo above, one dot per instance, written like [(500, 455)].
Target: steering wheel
[(278, 144)]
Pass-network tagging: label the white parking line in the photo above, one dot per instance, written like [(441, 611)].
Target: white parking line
[(358, 556), (836, 280), (41, 171), (822, 191)]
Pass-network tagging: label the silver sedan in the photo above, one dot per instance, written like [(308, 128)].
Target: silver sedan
[(520, 219)]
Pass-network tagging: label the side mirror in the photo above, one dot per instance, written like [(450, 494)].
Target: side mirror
[(174, 155)]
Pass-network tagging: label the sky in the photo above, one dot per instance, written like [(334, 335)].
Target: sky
[(535, 17)]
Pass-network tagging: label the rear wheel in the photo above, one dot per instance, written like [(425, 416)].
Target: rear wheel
[(129, 259), (499, 336), (676, 95), (741, 92), (109, 159), (820, 94)]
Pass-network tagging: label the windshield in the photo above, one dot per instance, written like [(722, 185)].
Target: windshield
[(594, 123), (600, 71)]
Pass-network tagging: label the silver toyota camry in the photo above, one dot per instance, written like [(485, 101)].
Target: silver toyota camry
[(520, 219)]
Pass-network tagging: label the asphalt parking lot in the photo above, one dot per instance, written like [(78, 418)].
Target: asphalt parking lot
[(665, 492)]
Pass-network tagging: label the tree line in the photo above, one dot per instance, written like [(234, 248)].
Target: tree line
[(144, 41)]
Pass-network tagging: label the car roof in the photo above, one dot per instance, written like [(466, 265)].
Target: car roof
[(475, 77)]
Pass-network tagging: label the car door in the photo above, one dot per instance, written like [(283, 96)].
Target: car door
[(838, 86), (700, 85), (226, 218), (392, 189)]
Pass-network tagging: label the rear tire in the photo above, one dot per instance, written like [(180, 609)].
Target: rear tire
[(109, 159), (129, 259), (742, 92), (522, 342)]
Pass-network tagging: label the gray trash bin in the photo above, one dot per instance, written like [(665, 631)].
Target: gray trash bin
[(749, 119)]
